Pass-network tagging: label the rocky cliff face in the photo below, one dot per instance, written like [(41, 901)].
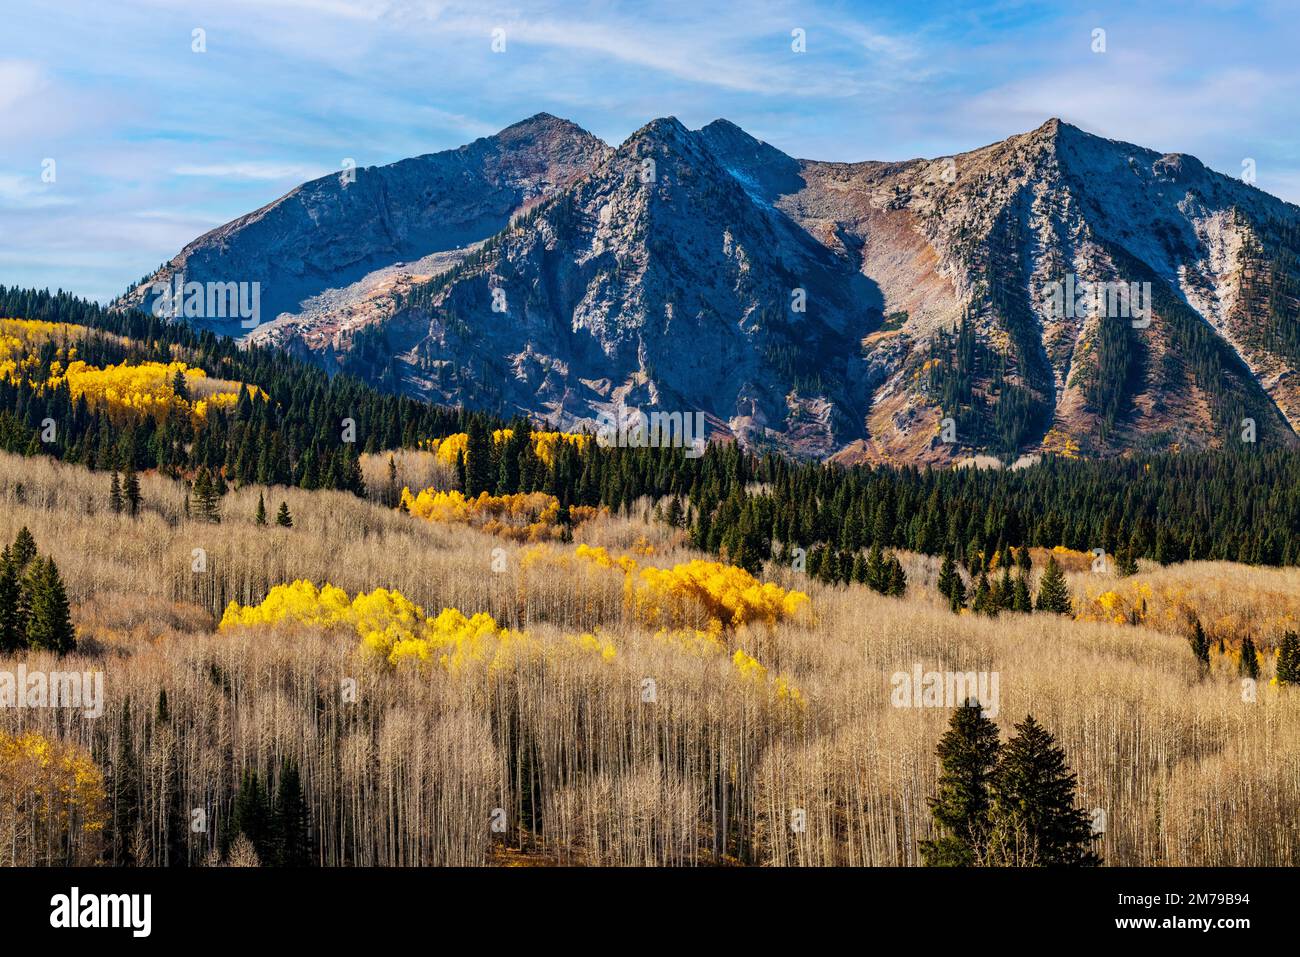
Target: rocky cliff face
[(319, 247), (881, 311)]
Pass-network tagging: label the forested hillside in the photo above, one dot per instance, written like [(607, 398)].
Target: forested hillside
[(287, 422)]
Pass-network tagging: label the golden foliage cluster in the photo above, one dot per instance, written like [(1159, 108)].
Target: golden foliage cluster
[(396, 629), (450, 448), (126, 390), (522, 516), (724, 592), (53, 797)]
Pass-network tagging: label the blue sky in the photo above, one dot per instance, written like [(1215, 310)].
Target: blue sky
[(154, 143)]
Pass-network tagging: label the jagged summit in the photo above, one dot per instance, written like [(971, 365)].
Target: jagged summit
[(814, 307)]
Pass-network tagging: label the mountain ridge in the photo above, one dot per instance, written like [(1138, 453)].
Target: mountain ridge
[(664, 274)]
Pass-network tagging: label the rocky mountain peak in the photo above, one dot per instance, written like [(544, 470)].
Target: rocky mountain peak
[(814, 307)]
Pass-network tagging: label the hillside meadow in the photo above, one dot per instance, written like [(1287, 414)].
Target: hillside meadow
[(609, 713)]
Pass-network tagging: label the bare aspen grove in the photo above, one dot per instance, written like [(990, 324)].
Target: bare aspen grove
[(604, 725)]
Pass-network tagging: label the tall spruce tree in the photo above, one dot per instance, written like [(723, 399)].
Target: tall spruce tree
[(13, 629), (897, 578), (1020, 600), (950, 581), (1249, 666), (124, 794), (251, 817), (1200, 643), (115, 500), (1053, 592), (1288, 659), (131, 490), (968, 755), (291, 820), (479, 470), (206, 501), (983, 601), (49, 625), (1033, 797), (24, 549)]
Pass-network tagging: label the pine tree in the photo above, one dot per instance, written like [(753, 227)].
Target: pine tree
[(291, 820), (968, 754), (1249, 658), (1024, 562), (251, 816), (983, 602), (674, 513), (260, 517), (1125, 563), (131, 490), (207, 502), (1020, 600), (1200, 646), (897, 578), (1288, 659), (115, 501), (392, 496), (24, 549), (1002, 589), (1053, 592), (124, 794), (479, 471), (860, 573), (282, 517), (13, 629), (957, 593), (462, 473), (49, 625), (1033, 804), (949, 578), (877, 571)]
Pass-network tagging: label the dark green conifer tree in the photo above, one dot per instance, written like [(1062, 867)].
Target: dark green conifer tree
[(968, 755), (206, 502), (1249, 667), (115, 501), (49, 622), (1033, 805), (291, 820), (1020, 600), (479, 468), (1288, 659), (251, 817), (13, 628), (1053, 592), (131, 490), (1200, 646)]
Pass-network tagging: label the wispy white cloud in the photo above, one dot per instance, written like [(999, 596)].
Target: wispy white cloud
[(28, 192), (252, 169), (19, 79)]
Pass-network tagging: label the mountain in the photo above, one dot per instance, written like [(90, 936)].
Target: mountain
[(843, 309), (340, 238)]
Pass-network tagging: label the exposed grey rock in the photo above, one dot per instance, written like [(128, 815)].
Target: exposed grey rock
[(663, 275)]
